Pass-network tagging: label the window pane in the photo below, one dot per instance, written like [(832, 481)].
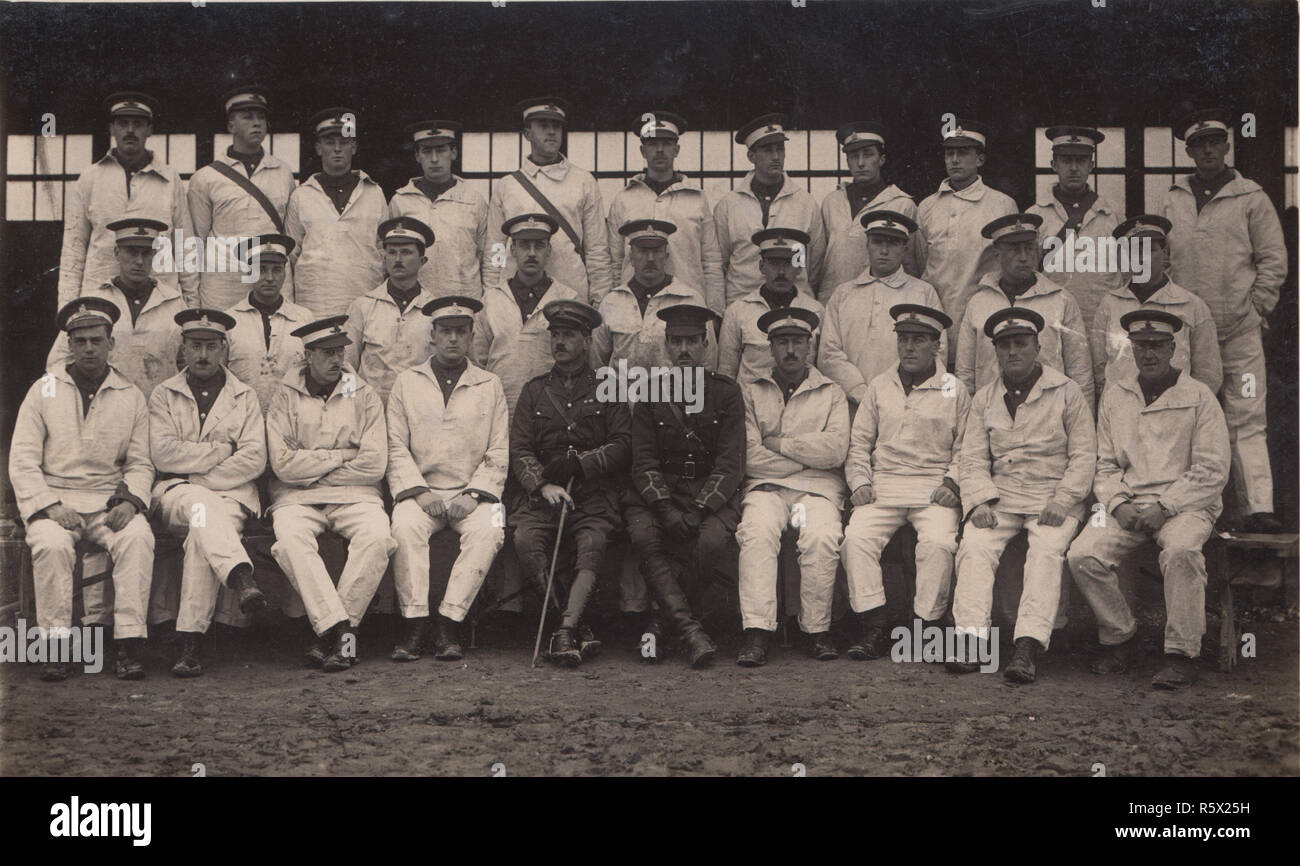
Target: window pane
[(1042, 148), (22, 154), (611, 152), (717, 152), (716, 188), (1154, 187), (1157, 145), (796, 152), (49, 200), (180, 153), (285, 146), (474, 151), (1043, 187), (689, 158), (609, 187), (582, 149), (824, 150), (1111, 188), (49, 155), (18, 200), (1110, 153), (78, 153), (505, 151)]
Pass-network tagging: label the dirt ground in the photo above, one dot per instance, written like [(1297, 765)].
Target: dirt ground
[(258, 711)]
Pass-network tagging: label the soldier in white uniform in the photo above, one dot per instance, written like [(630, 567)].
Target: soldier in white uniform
[(1027, 462), (663, 193), (389, 334), (548, 182), (902, 468), (744, 352), (242, 193), (857, 344), (126, 183), (333, 216), (208, 443), (263, 349), (1073, 209), (766, 197), (863, 143), (797, 433), (448, 453), (145, 338), (457, 214), (951, 254), (631, 329), (328, 447), (79, 466), (510, 336), (1196, 343), (1162, 463)]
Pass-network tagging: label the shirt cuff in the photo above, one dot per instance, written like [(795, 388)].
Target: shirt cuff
[(410, 493), (480, 495), (122, 494)]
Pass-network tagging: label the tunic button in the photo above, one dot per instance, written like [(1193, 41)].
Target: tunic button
[(570, 405)]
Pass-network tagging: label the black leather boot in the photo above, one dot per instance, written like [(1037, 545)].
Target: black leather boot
[(822, 647), (1024, 664), (753, 652), (188, 664), (320, 648), (240, 581), (564, 649), (412, 639), (344, 653), (695, 642), (870, 642), (446, 640), (128, 665)]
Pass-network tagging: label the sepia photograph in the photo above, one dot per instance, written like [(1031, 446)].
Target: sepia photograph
[(765, 388)]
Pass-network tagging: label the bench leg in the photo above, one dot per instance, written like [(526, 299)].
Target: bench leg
[(1227, 628)]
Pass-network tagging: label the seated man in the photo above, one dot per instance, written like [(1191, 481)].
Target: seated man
[(1162, 464), (566, 446), (1027, 460), (208, 443), (79, 465), (448, 450), (687, 466), (797, 436), (902, 468), (328, 447)]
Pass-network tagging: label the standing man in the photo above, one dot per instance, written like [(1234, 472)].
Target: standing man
[(79, 465), (687, 468), (767, 196), (856, 344), (510, 336), (387, 331), (328, 447), (456, 214), (1027, 462), (125, 183), (1072, 209), (902, 468), (797, 435), (333, 217), (863, 143), (744, 352), (951, 254), (1064, 340), (1196, 343), (663, 193), (548, 182), (448, 453), (568, 450), (208, 443), (1162, 463), (631, 329), (145, 338), (242, 193), (263, 348), (1226, 246)]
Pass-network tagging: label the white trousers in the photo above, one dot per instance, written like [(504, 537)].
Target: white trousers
[(870, 529), (480, 540), (977, 562), (365, 526), (208, 525), (764, 516), (54, 555)]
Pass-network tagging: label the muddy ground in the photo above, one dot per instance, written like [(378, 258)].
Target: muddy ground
[(257, 711)]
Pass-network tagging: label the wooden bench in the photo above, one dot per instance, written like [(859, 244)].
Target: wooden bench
[(1218, 561)]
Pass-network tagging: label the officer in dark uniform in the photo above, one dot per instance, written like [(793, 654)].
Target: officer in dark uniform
[(688, 462), (567, 446)]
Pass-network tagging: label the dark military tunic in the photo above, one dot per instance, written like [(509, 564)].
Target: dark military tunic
[(696, 462), (551, 416)]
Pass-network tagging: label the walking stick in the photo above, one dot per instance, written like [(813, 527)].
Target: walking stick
[(550, 574)]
